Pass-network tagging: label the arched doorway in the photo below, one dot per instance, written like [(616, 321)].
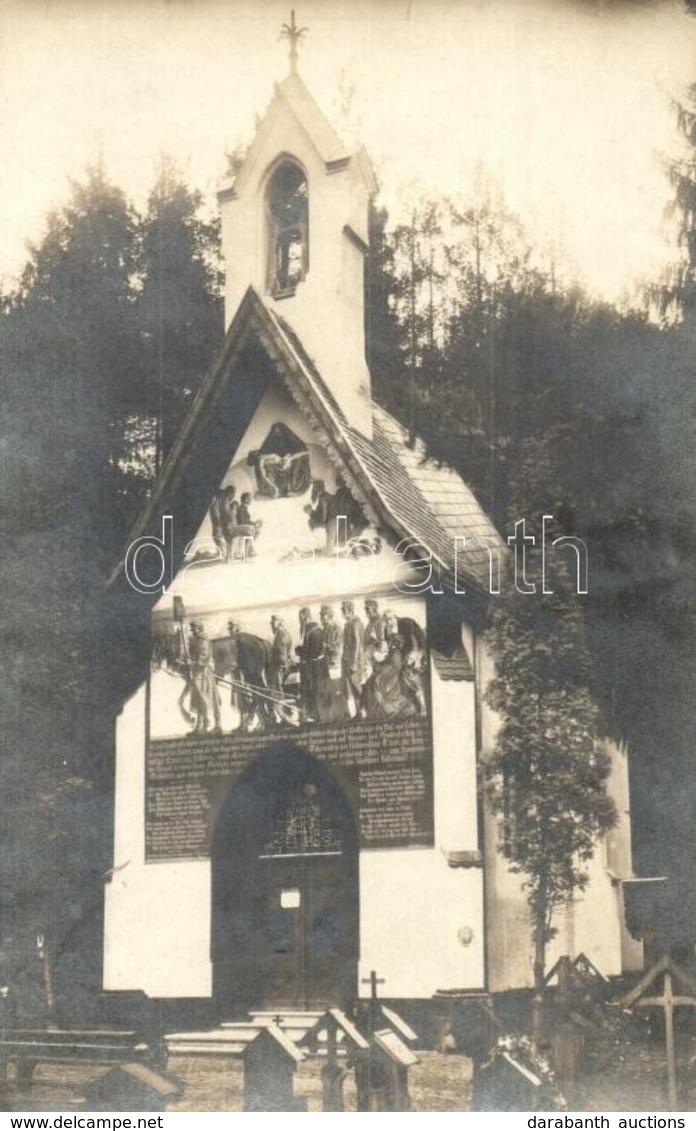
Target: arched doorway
[(285, 900)]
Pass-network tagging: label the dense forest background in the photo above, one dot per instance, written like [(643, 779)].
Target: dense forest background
[(546, 401)]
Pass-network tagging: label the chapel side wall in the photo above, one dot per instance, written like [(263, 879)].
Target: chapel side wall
[(157, 916), (422, 920), (593, 925), (620, 849)]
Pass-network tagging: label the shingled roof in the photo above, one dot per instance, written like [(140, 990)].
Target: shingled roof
[(405, 491), (429, 500)]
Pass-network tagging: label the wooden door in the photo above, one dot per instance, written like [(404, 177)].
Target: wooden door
[(306, 930), (285, 892)]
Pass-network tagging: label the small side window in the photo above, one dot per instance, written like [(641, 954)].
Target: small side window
[(288, 228)]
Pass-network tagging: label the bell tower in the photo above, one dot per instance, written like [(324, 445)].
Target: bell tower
[(295, 228)]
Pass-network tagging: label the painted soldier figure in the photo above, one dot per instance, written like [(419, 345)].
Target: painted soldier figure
[(204, 697), (331, 703), (353, 661), (374, 638), (249, 525), (317, 509), (281, 654), (346, 518), (229, 518), (311, 657), (339, 515), (234, 530)]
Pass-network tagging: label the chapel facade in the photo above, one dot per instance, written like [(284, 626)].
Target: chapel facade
[(298, 788)]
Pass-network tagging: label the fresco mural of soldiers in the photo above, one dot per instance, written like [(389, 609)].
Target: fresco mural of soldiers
[(358, 669)]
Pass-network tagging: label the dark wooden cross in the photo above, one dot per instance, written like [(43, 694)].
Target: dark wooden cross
[(373, 981), (294, 35), (667, 1001), (278, 1019)]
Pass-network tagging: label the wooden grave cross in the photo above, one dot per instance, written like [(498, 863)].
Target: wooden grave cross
[(667, 1001), (355, 1046), (373, 981)]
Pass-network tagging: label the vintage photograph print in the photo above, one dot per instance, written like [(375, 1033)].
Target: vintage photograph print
[(347, 433)]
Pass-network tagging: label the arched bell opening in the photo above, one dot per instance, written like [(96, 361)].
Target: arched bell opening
[(287, 215)]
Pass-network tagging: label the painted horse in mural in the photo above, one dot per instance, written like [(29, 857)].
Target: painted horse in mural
[(245, 662), (168, 651)]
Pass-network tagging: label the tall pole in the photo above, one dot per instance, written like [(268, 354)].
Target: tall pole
[(669, 1043), (42, 946)]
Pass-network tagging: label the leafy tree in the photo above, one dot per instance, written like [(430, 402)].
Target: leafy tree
[(547, 774)]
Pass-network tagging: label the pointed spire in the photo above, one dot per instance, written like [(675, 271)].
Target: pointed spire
[(294, 35)]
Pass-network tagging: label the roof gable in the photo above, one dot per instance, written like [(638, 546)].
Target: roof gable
[(406, 492)]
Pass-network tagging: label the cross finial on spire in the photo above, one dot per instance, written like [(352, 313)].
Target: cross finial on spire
[(293, 34)]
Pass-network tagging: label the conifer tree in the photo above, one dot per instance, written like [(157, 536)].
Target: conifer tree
[(180, 302), (78, 340)]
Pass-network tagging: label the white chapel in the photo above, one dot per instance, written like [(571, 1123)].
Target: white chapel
[(298, 787)]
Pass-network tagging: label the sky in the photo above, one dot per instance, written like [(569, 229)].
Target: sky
[(565, 103)]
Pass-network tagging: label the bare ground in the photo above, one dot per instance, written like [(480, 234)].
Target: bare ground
[(620, 1075)]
